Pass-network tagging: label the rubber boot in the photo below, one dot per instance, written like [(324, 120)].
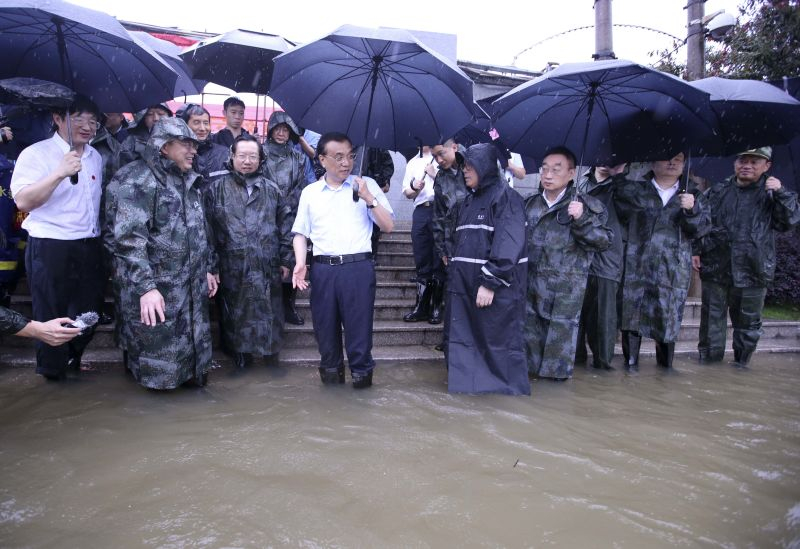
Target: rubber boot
[(741, 358), (422, 306), (331, 377), (664, 354), (290, 314), (437, 302), (362, 381), (631, 342)]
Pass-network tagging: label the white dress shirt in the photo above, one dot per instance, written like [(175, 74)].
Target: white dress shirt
[(72, 211), (415, 171), (666, 194), (556, 201), (333, 222)]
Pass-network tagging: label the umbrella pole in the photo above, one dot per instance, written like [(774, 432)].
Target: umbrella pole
[(592, 95), (376, 61)]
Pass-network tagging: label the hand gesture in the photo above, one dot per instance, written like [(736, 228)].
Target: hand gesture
[(152, 308), (363, 191), (773, 184), (299, 277), (213, 284), (575, 209), (485, 297), (687, 201), (54, 333), (70, 164)]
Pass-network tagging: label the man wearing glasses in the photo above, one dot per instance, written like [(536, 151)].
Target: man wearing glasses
[(58, 181), (337, 213)]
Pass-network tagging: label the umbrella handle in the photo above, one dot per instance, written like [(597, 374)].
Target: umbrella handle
[(74, 177)]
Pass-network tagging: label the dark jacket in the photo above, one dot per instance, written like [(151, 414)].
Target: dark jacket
[(378, 165), (740, 249), (224, 137), (11, 322), (283, 164), (658, 261), (449, 190), (486, 351), (607, 263), (210, 161)]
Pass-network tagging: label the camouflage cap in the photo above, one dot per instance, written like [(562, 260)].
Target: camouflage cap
[(167, 129), (763, 152)]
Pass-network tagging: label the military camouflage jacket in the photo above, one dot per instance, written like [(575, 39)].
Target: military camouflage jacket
[(449, 189)]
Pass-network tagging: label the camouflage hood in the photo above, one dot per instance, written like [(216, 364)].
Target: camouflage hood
[(280, 117), (168, 129), (483, 158)]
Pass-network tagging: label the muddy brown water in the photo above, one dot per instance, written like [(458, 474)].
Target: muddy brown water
[(706, 458)]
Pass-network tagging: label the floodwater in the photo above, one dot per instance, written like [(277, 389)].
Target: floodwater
[(709, 457)]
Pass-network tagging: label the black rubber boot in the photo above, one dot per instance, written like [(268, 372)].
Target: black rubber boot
[(240, 360), (331, 377), (741, 359), (631, 343), (290, 314), (423, 305), (665, 352), (362, 381), (437, 302)]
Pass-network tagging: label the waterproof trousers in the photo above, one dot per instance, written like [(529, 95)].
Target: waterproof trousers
[(598, 324), (744, 306)]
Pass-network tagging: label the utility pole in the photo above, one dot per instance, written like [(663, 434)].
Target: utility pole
[(695, 40), (603, 38)]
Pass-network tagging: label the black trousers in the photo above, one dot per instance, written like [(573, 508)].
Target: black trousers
[(744, 305), (343, 296), (598, 324), (65, 279), (427, 265)]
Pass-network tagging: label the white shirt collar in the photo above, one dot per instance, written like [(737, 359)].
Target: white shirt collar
[(665, 194), (558, 198)]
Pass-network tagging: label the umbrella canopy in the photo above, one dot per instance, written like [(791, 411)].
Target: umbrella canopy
[(240, 59), (86, 50), (381, 87), (605, 111), (477, 131), (749, 114), (32, 92), (168, 51)]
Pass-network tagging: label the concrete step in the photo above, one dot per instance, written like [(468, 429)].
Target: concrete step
[(394, 246), (385, 309), (394, 259)]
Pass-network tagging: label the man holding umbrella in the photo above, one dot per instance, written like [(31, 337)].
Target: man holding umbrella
[(736, 259), (58, 181), (343, 278)]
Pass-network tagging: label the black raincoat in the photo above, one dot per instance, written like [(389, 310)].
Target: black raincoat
[(486, 348), (210, 161)]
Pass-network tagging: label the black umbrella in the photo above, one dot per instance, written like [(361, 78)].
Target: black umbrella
[(605, 111), (32, 92), (240, 59), (749, 114), (169, 52), (382, 87), (86, 50)]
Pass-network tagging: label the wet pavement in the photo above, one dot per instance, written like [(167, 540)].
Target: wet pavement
[(707, 457)]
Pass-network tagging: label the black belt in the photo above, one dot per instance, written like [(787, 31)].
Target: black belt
[(342, 259), (427, 204)]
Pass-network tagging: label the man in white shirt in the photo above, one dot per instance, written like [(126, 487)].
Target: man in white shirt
[(58, 181), (343, 278), (418, 186)]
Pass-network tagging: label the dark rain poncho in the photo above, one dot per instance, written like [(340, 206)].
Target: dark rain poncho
[(559, 258), (486, 352), (658, 257), (250, 238), (160, 242)]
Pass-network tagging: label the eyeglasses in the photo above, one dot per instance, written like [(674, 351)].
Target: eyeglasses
[(557, 170), (85, 121), (188, 143), (341, 158), (244, 157)]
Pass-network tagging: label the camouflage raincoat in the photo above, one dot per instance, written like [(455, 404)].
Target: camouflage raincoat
[(559, 258), (449, 189), (658, 257), (160, 242), (250, 241), (283, 164)]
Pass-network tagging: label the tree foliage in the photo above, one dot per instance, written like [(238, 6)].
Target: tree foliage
[(765, 44)]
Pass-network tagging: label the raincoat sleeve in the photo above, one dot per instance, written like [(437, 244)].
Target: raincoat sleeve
[(11, 322), (209, 199), (439, 224), (283, 221), (696, 223), (626, 197), (590, 229), (135, 205), (508, 243), (786, 213)]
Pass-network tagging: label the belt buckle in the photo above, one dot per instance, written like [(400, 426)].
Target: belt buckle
[(334, 262)]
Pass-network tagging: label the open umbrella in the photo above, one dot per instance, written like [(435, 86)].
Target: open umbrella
[(32, 92), (605, 111), (382, 87), (86, 50), (749, 114), (169, 52), (240, 59)]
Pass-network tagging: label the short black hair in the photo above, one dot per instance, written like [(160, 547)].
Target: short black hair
[(232, 101), (81, 104), (192, 109), (250, 139), (338, 137), (563, 151)]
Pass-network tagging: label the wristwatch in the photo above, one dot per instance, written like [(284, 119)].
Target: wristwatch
[(374, 204)]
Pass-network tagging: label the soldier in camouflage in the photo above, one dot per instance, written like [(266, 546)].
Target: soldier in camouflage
[(737, 258), (161, 252), (134, 146), (249, 225), (563, 234), (662, 220), (285, 166)]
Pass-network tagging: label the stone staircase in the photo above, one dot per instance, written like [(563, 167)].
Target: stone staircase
[(394, 340)]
